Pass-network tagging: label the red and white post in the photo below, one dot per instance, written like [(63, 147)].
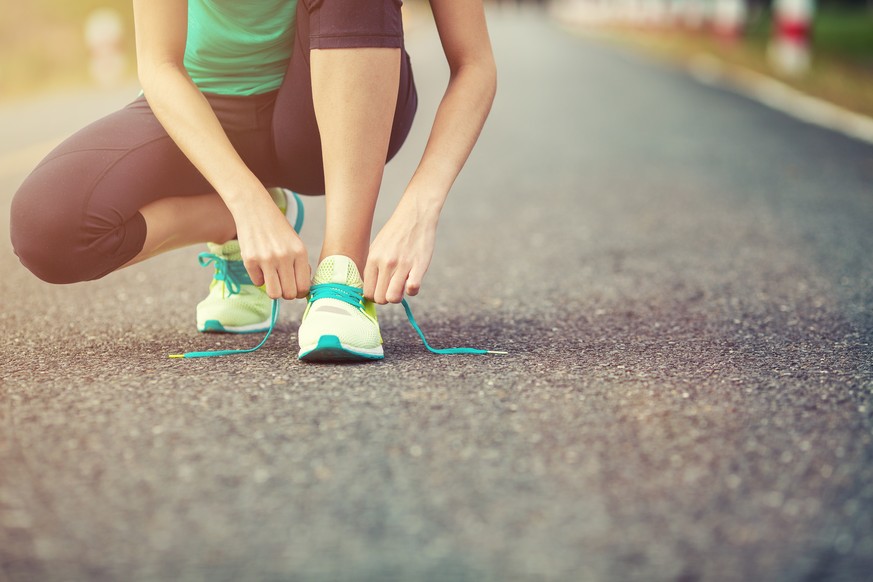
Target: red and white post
[(789, 49)]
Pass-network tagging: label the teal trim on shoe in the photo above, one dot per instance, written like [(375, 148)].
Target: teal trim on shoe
[(213, 326), (331, 349), (298, 223)]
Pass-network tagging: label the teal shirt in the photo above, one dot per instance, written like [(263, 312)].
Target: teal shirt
[(239, 47)]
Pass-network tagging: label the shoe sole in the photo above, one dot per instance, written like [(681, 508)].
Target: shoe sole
[(214, 326), (330, 349)]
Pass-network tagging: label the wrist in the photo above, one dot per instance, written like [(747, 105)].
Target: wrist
[(243, 195), (424, 207)]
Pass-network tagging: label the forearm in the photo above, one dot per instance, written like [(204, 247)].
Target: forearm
[(272, 253), (401, 253), (457, 125), (189, 120)]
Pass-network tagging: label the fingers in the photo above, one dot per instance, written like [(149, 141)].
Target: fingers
[(303, 276), (383, 279), (254, 271), (413, 282), (386, 282), (287, 280), (282, 275), (371, 274), (394, 293), (272, 283), (278, 281)]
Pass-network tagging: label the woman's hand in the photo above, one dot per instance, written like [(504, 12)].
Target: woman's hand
[(272, 252), (400, 254)]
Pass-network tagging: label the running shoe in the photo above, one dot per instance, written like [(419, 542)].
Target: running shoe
[(234, 304), (339, 324), (291, 206)]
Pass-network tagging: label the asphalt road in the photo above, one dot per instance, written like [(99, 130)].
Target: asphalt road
[(683, 279)]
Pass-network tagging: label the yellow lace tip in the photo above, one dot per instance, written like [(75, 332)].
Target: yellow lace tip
[(496, 352), (177, 355)]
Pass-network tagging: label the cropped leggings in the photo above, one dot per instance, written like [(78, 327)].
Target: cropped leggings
[(76, 217)]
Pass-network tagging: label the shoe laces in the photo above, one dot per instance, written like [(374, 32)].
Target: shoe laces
[(232, 273), (274, 315), (347, 294), (355, 297)]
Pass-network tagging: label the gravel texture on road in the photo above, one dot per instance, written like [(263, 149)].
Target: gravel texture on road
[(683, 280)]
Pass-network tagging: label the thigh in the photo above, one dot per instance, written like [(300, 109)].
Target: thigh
[(326, 24), (75, 217), (111, 168), (85, 196)]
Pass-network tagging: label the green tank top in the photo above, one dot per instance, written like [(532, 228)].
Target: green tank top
[(239, 47)]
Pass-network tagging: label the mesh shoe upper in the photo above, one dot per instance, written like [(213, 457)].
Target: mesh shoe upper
[(233, 302), (354, 325), (248, 308)]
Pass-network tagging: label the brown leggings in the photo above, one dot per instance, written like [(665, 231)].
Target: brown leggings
[(76, 217)]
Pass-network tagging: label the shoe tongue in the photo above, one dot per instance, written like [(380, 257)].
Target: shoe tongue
[(229, 250), (338, 269)]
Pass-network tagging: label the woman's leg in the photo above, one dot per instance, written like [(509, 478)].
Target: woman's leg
[(354, 92), (181, 221), (345, 108), (120, 191)]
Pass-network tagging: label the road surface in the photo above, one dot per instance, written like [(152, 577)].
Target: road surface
[(683, 280)]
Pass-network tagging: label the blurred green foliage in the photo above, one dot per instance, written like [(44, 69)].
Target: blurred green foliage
[(845, 32), (838, 31), (42, 43)]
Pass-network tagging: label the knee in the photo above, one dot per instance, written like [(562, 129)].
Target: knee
[(48, 236), (60, 241), (41, 242)]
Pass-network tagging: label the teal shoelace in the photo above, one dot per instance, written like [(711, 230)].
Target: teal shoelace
[(232, 273), (347, 294)]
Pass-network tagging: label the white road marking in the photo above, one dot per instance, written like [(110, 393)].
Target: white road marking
[(709, 70)]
